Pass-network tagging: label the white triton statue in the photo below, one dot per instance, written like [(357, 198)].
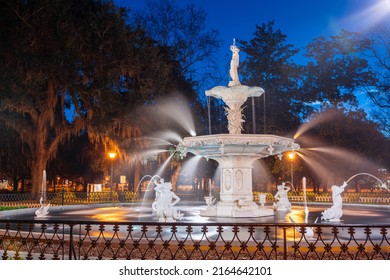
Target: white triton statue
[(164, 202), (283, 203), (336, 211)]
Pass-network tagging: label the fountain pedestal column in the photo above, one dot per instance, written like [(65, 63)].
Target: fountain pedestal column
[(236, 198)]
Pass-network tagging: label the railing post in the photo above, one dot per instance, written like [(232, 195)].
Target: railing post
[(62, 196), (70, 241), (284, 243)]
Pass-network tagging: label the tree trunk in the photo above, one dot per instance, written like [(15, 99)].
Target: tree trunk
[(175, 176), (15, 184), (36, 176)]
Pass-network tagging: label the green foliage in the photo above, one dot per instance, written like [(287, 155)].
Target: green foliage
[(5, 208)]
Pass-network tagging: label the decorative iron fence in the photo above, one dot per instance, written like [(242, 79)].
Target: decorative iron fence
[(68, 198), (73, 198), (175, 241), (80, 198)]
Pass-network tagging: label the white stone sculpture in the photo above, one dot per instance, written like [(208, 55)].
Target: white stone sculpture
[(164, 202), (210, 210), (43, 210), (236, 153), (234, 65), (235, 120), (281, 196), (262, 199), (336, 211)]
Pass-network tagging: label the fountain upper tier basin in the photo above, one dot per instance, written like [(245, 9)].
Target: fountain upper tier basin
[(250, 145), (236, 94)]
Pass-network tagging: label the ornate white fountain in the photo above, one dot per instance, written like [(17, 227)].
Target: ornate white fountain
[(236, 152)]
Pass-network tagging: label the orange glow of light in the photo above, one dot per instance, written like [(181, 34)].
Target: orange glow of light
[(111, 155), (291, 155)]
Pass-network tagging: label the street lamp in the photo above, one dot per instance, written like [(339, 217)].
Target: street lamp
[(291, 156), (112, 156)]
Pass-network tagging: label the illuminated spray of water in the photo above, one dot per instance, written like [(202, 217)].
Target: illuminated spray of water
[(161, 169), (168, 136), (190, 167), (261, 174), (382, 184), (178, 110), (149, 154), (318, 168), (317, 120)]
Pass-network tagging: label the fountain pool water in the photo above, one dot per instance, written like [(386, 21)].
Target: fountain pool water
[(142, 212)]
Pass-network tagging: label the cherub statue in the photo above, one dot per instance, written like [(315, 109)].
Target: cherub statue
[(283, 203)]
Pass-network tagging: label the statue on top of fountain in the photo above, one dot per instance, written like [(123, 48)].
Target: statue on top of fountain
[(234, 65), (281, 195), (335, 212), (164, 202)]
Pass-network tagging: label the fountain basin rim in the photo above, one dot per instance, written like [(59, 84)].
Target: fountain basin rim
[(254, 145), (234, 91)]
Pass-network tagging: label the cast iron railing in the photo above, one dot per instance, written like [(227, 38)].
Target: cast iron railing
[(68, 198), (79, 198), (72, 198), (40, 239)]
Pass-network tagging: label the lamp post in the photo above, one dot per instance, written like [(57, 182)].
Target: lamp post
[(112, 156), (291, 156)]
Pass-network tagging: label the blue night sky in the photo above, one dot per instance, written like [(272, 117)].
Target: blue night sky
[(300, 20)]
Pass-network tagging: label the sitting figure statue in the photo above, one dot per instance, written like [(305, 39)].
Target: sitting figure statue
[(164, 202), (283, 203), (335, 212)]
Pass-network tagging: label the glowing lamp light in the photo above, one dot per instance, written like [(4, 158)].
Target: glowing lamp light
[(111, 155), (291, 155)]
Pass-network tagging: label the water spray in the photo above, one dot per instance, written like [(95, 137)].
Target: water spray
[(382, 184), (304, 199)]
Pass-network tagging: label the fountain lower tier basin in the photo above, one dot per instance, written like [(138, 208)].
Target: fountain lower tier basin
[(236, 154), (235, 210), (252, 146)]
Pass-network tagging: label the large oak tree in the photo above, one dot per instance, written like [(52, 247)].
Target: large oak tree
[(71, 66)]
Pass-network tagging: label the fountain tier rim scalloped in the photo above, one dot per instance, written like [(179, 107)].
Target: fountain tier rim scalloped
[(255, 145), (240, 92)]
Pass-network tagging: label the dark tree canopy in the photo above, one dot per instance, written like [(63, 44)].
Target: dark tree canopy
[(79, 56), (336, 70), (376, 48), (184, 31), (269, 64)]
